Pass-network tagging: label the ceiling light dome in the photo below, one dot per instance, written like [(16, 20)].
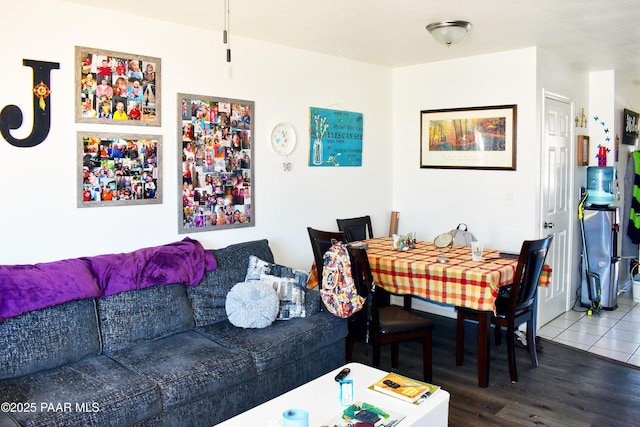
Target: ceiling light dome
[(448, 32)]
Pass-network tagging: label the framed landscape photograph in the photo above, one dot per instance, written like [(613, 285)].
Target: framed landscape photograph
[(119, 169), (469, 138), (215, 163), (116, 88)]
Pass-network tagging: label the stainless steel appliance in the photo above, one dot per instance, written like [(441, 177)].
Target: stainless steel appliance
[(601, 228)]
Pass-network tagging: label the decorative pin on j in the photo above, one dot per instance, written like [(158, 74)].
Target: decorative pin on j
[(11, 116)]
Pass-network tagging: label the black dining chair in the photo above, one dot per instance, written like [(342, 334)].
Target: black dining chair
[(386, 323), (515, 304), (321, 242), (356, 229)]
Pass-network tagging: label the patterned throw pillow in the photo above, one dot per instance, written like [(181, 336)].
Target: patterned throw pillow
[(289, 284)]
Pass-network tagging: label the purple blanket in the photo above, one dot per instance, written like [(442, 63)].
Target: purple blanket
[(26, 288)]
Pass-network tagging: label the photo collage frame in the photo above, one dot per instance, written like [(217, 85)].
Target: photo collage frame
[(216, 174), (119, 169), (117, 88)]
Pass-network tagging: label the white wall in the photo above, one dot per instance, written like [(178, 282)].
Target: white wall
[(602, 105), (39, 220), (499, 207)]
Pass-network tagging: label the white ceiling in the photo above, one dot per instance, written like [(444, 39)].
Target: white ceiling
[(592, 35)]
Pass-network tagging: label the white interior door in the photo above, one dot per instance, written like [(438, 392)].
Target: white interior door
[(557, 216)]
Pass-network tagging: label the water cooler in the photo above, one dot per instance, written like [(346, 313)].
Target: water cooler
[(601, 228)]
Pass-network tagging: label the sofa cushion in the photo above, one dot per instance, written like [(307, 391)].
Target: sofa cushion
[(48, 338), (188, 366), (133, 317), (289, 283), (7, 421), (312, 302), (208, 298), (93, 391), (252, 305), (282, 342)]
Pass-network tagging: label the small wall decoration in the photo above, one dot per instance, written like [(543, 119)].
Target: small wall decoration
[(469, 138), (630, 127), (119, 169), (603, 149), (11, 116), (117, 88), (215, 163), (335, 137)]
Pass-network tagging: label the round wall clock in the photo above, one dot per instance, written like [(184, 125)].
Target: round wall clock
[(283, 139)]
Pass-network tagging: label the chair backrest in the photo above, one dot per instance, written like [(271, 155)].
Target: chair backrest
[(361, 270), (356, 229), (528, 270), (321, 241), (363, 279)]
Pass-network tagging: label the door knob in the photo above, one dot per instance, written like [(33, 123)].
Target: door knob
[(548, 224)]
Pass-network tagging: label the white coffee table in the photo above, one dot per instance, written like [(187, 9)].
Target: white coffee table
[(320, 398)]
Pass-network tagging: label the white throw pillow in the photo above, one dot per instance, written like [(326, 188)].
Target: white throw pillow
[(252, 305)]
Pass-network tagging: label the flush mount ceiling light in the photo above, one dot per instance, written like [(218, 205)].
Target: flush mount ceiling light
[(449, 32)]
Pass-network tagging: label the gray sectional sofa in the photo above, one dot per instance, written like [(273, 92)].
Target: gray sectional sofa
[(160, 356)]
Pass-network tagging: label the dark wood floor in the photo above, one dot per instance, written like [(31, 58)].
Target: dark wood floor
[(570, 387)]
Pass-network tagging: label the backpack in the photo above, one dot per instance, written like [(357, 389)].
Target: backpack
[(338, 290), (461, 236)]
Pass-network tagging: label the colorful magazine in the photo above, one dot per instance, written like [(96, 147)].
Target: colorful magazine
[(404, 388), (362, 412)]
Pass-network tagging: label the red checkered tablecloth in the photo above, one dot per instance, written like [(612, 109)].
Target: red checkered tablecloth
[(460, 282)]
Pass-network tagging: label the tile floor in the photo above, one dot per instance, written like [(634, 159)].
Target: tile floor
[(614, 334)]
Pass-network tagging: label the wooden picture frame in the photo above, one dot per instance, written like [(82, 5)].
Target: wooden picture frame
[(119, 169), (583, 150), (116, 88), (215, 163), (469, 138)]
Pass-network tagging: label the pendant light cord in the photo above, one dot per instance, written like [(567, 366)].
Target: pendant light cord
[(225, 33)]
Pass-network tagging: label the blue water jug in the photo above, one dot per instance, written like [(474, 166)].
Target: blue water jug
[(600, 185)]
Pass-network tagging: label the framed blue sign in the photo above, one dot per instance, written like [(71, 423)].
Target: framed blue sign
[(335, 137)]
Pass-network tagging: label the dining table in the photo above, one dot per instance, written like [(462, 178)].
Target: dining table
[(460, 281)]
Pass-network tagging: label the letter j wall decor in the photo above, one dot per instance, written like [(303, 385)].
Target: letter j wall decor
[(11, 116)]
